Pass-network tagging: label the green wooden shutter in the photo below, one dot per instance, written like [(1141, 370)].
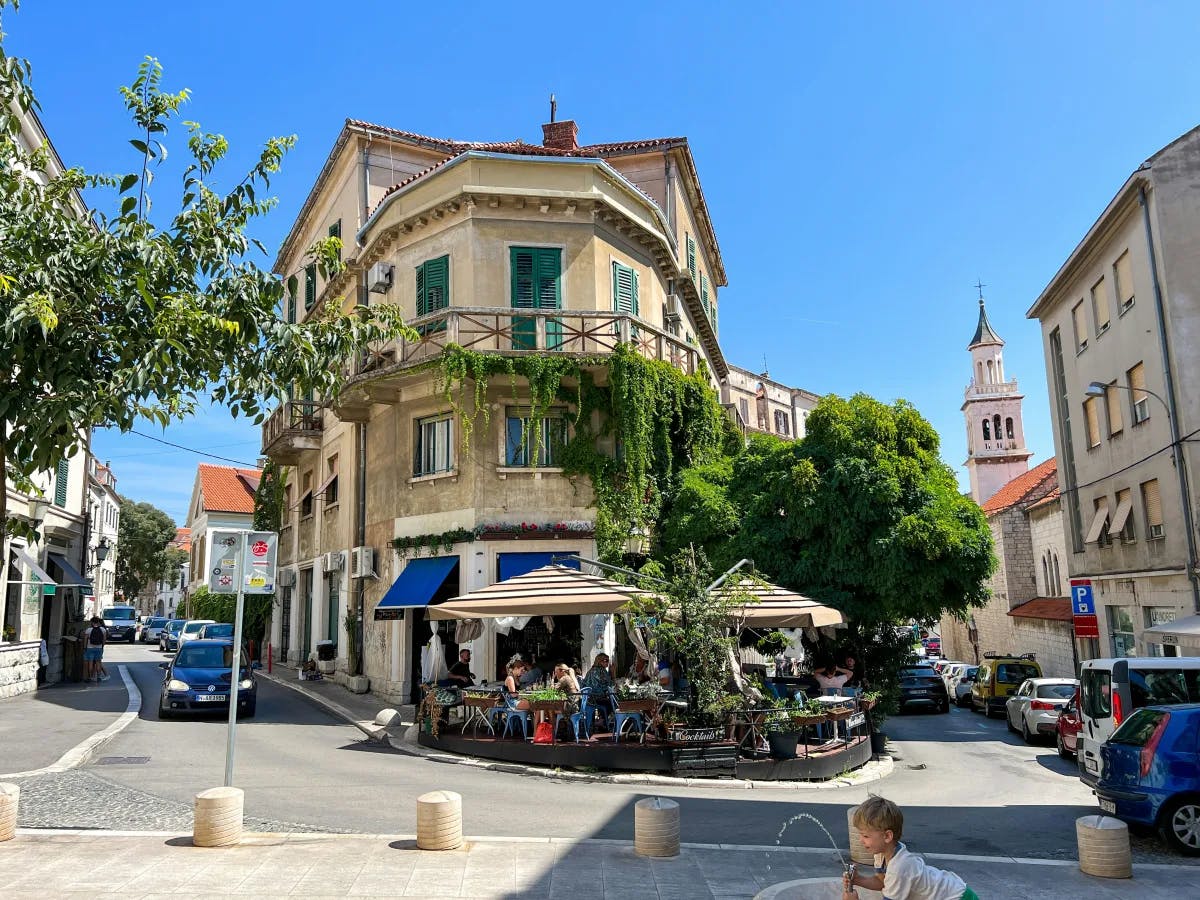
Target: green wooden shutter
[(549, 292), (437, 283), (310, 286), (60, 483), (704, 296), (291, 299), (691, 256), (421, 305), (625, 292), (536, 284), (335, 230)]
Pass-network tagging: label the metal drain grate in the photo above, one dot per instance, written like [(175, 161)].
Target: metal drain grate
[(122, 760)]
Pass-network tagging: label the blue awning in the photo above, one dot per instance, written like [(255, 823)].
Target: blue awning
[(419, 581), (73, 578), (514, 564)]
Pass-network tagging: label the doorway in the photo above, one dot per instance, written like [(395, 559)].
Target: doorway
[(306, 601)]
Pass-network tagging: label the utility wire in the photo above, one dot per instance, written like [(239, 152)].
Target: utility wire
[(1185, 439), (151, 437)]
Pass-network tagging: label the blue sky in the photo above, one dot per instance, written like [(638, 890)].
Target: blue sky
[(864, 163)]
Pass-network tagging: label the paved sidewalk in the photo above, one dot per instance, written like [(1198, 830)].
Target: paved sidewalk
[(61, 715), (41, 864)]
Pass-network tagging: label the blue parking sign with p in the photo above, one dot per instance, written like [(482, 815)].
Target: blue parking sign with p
[(1082, 603)]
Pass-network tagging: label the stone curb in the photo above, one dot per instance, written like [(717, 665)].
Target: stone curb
[(86, 749), (407, 743)]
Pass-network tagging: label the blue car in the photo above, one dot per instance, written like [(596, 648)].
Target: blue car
[(197, 680), (1152, 773)]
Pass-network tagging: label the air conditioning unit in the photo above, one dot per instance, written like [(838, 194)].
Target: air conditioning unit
[(333, 561), (379, 279), (285, 577), (362, 562), (674, 309)]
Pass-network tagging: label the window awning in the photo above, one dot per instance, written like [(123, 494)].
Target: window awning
[(1093, 534), (514, 564), (1184, 630), (420, 580), (38, 571), (1120, 516), (74, 579)]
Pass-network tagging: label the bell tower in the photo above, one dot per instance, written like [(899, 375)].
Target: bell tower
[(996, 451)]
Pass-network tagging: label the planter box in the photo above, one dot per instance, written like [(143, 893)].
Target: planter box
[(358, 684), (549, 707), (801, 721), (326, 666), (638, 705), (839, 714)]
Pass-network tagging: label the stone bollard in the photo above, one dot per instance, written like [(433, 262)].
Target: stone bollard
[(217, 817), (1104, 847), (439, 821), (656, 827), (858, 853), (387, 718), (10, 795)]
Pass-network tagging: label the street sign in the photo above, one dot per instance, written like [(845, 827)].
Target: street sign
[(259, 567), (1082, 601), (258, 561), (1087, 627), (224, 549)]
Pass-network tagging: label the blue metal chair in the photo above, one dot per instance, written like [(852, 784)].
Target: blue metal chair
[(579, 720), (512, 714), (621, 719)]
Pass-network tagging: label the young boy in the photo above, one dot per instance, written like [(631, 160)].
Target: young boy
[(902, 876)]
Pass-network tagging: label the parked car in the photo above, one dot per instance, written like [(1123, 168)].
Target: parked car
[(152, 627), (948, 672), (168, 638), (963, 684), (120, 623), (222, 630), (1066, 729), (198, 678), (933, 645), (998, 679), (1151, 773), (191, 630), (1110, 690), (1034, 708), (921, 686)]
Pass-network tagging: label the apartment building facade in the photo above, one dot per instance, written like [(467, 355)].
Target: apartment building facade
[(1120, 321), (760, 405), (503, 248), (104, 523)]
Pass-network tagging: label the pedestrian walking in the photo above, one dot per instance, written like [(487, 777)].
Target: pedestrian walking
[(93, 650)]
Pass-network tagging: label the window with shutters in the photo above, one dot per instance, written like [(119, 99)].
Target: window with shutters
[(536, 284), (310, 286), (1138, 398), (781, 423), (1123, 282), (704, 296), (1092, 419), (330, 494), (691, 256), (1123, 517), (1112, 403), (1100, 523), (306, 495), (744, 406), (61, 479), (433, 285), (1079, 317), (1100, 306), (335, 230), (521, 432), (333, 584), (433, 452), (1152, 504), (292, 287)]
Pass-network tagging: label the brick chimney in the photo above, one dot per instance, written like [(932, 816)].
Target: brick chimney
[(561, 135)]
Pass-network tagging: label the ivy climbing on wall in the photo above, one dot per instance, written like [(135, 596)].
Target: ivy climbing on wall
[(656, 419)]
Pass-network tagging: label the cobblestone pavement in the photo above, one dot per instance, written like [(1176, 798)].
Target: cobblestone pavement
[(82, 799)]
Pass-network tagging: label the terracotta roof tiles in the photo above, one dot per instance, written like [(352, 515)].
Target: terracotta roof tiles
[(226, 489), (1029, 487), (1055, 609)]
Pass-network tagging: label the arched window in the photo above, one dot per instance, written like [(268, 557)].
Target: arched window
[(1008, 428), (991, 376), (1057, 583), (996, 427), (987, 430), (980, 365), (1000, 368), (1046, 576)]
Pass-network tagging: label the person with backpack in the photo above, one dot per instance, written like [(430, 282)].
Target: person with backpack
[(93, 649)]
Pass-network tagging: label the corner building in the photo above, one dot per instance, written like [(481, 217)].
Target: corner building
[(509, 249)]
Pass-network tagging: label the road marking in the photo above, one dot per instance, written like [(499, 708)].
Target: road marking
[(83, 751)]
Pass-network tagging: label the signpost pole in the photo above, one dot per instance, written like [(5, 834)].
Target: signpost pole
[(235, 673)]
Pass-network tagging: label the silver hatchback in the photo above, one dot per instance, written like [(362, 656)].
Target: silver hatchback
[(1034, 708)]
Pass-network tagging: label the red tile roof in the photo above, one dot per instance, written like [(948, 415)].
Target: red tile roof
[(226, 489), (183, 539), (1030, 487), (1055, 609)]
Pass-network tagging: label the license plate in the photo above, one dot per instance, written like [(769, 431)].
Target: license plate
[(1090, 765), (920, 692), (211, 698), (1109, 807)]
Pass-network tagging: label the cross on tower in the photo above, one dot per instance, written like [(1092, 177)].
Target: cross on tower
[(980, 285)]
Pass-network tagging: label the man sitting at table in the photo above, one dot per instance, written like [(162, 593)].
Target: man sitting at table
[(460, 675)]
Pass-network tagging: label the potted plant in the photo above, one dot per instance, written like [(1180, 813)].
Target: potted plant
[(783, 734), (547, 700)]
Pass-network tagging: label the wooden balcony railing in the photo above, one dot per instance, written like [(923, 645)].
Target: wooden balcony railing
[(296, 418)]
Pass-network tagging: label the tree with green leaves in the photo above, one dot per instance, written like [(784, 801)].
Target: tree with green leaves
[(109, 317), (142, 552)]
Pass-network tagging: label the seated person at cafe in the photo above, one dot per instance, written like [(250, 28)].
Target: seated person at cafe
[(516, 668), (533, 676), (666, 681), (564, 680), (599, 679), (832, 677), (460, 675), (639, 672)]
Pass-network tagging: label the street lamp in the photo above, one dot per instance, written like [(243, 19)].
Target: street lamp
[(38, 508), (1100, 389), (101, 550)]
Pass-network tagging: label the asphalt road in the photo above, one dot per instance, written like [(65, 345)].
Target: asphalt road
[(966, 784)]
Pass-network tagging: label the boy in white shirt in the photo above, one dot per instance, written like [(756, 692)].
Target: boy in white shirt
[(901, 875)]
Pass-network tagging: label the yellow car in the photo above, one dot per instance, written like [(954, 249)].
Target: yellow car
[(998, 679)]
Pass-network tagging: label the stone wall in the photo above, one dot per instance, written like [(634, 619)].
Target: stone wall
[(18, 668)]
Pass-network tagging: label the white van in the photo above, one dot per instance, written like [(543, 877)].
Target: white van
[(1111, 689)]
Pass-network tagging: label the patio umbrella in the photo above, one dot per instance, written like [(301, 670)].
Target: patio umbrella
[(548, 591), (780, 608)]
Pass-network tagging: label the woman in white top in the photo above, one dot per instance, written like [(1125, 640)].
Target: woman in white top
[(832, 677)]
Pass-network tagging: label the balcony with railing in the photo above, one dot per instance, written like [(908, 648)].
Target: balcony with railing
[(995, 389), (292, 429)]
